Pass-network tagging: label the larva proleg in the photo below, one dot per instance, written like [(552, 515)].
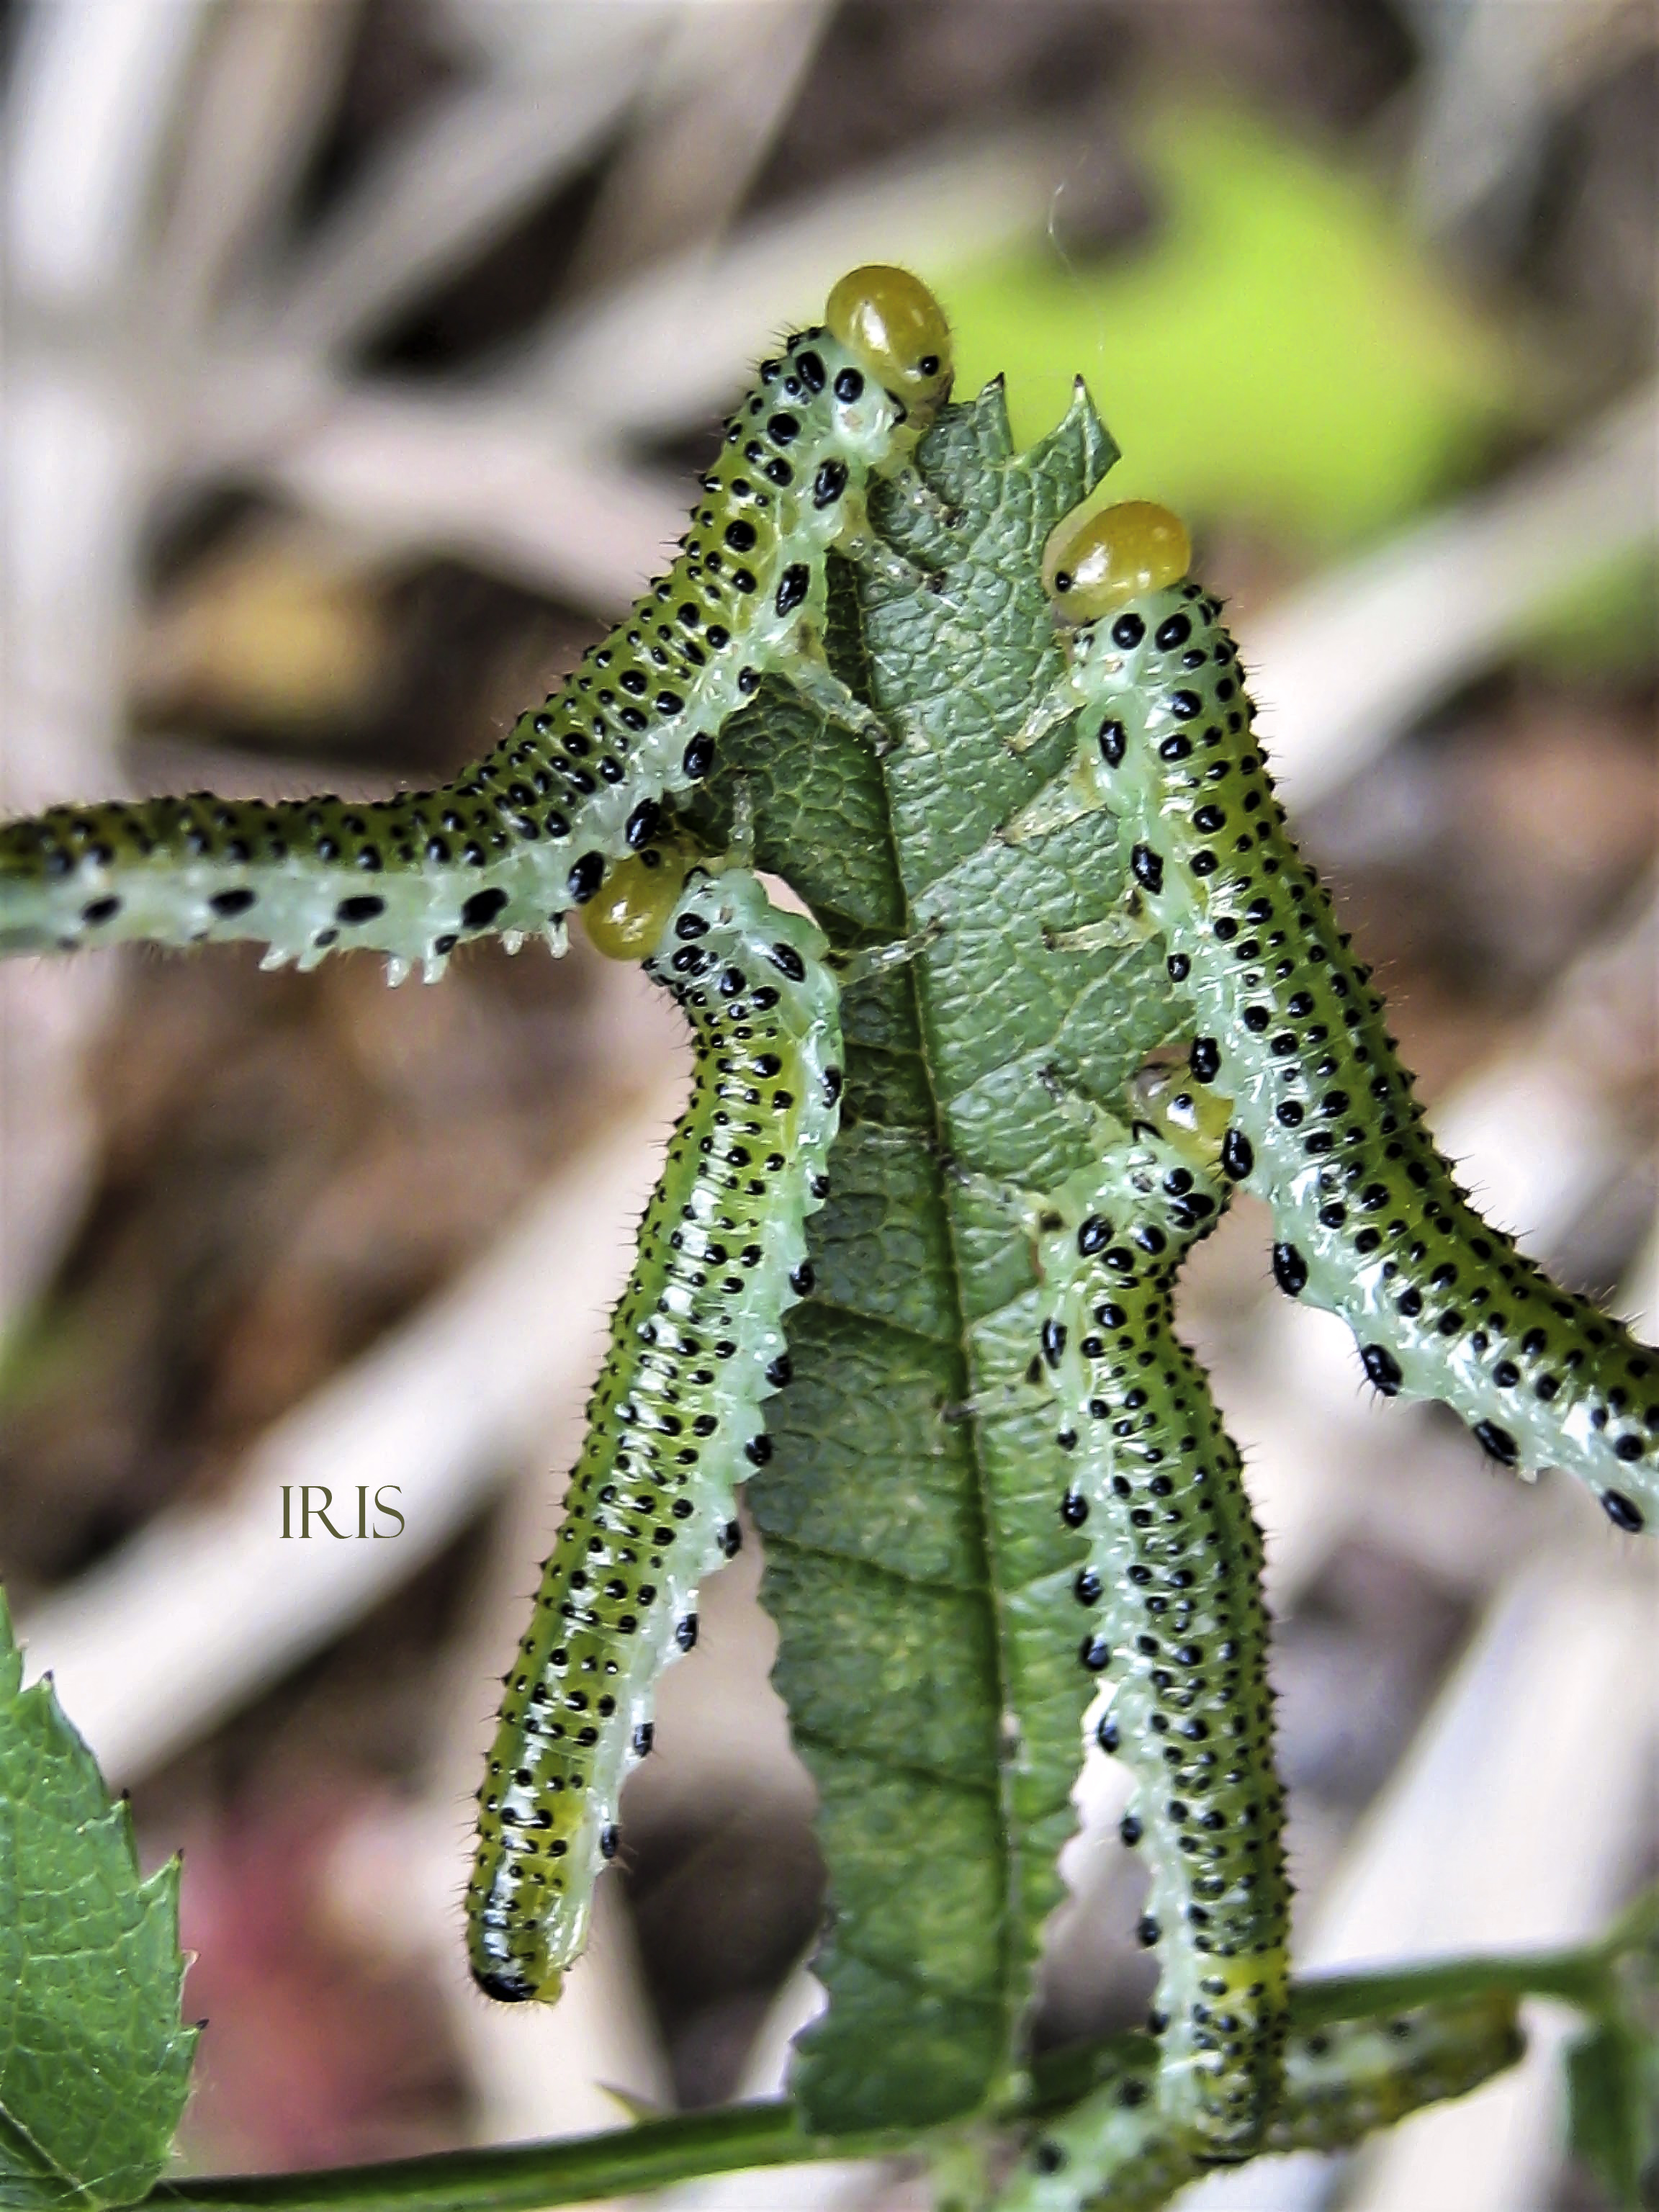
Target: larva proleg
[(1171, 1616), (675, 1421), (1370, 1220), (581, 781), (1116, 2152)]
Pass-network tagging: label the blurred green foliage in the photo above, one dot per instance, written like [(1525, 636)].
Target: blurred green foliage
[(1278, 348), (1604, 628)]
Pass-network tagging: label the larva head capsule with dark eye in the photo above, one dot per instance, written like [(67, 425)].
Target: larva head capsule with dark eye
[(1095, 564), (889, 320)]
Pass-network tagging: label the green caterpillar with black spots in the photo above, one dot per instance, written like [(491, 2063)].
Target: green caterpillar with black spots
[(525, 834), (1116, 2152), (1371, 1222), (1170, 1592), (697, 1346)]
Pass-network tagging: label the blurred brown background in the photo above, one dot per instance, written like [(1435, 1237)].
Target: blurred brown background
[(358, 355)]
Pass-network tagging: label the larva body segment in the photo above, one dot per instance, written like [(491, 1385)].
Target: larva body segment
[(1371, 1222), (581, 782), (674, 1423), (1171, 1597), (1116, 2151)]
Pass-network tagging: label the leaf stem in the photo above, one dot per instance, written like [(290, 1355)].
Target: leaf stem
[(521, 2176), (625, 2160)]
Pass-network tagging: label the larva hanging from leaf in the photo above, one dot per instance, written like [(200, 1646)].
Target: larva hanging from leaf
[(1170, 1598), (526, 833), (1115, 2152), (697, 1344), (1371, 1223)]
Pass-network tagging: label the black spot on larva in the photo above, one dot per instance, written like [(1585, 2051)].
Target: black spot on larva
[(1095, 1653), (849, 385), (810, 367), (778, 1371), (1498, 1444), (1622, 1511), (698, 758), (732, 1539), (1113, 739), (783, 428), (583, 881), (1073, 1509), (828, 484), (482, 908), (1290, 1270), (1627, 1447), (1183, 705), (1087, 1588), (1179, 967), (787, 962), (1147, 868), (758, 1450), (1049, 2157), (1382, 1368), (802, 1279), (1127, 631), (610, 1837), (642, 825), (1173, 632), (1053, 1341), (103, 910), (226, 903), (740, 536), (792, 587), (1205, 1060), (507, 1984), (1237, 1156), (686, 1632), (1093, 1235)]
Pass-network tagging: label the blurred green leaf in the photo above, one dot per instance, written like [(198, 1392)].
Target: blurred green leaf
[(93, 2063), (1279, 347), (1612, 2070), (1612, 2084), (1604, 628)]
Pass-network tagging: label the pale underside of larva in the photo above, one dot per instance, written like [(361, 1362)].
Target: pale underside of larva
[(526, 833), (1370, 1220), (1117, 2152), (1172, 1616), (675, 1422)]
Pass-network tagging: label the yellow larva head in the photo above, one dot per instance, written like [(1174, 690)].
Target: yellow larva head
[(630, 911), (891, 321), (1095, 562)]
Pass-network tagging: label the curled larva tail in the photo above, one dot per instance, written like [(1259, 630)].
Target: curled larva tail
[(697, 1346), (1369, 1221), (1174, 1620), (1116, 2152)]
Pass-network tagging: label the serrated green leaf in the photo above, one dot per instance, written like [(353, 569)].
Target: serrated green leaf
[(916, 1556), (94, 2065)]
